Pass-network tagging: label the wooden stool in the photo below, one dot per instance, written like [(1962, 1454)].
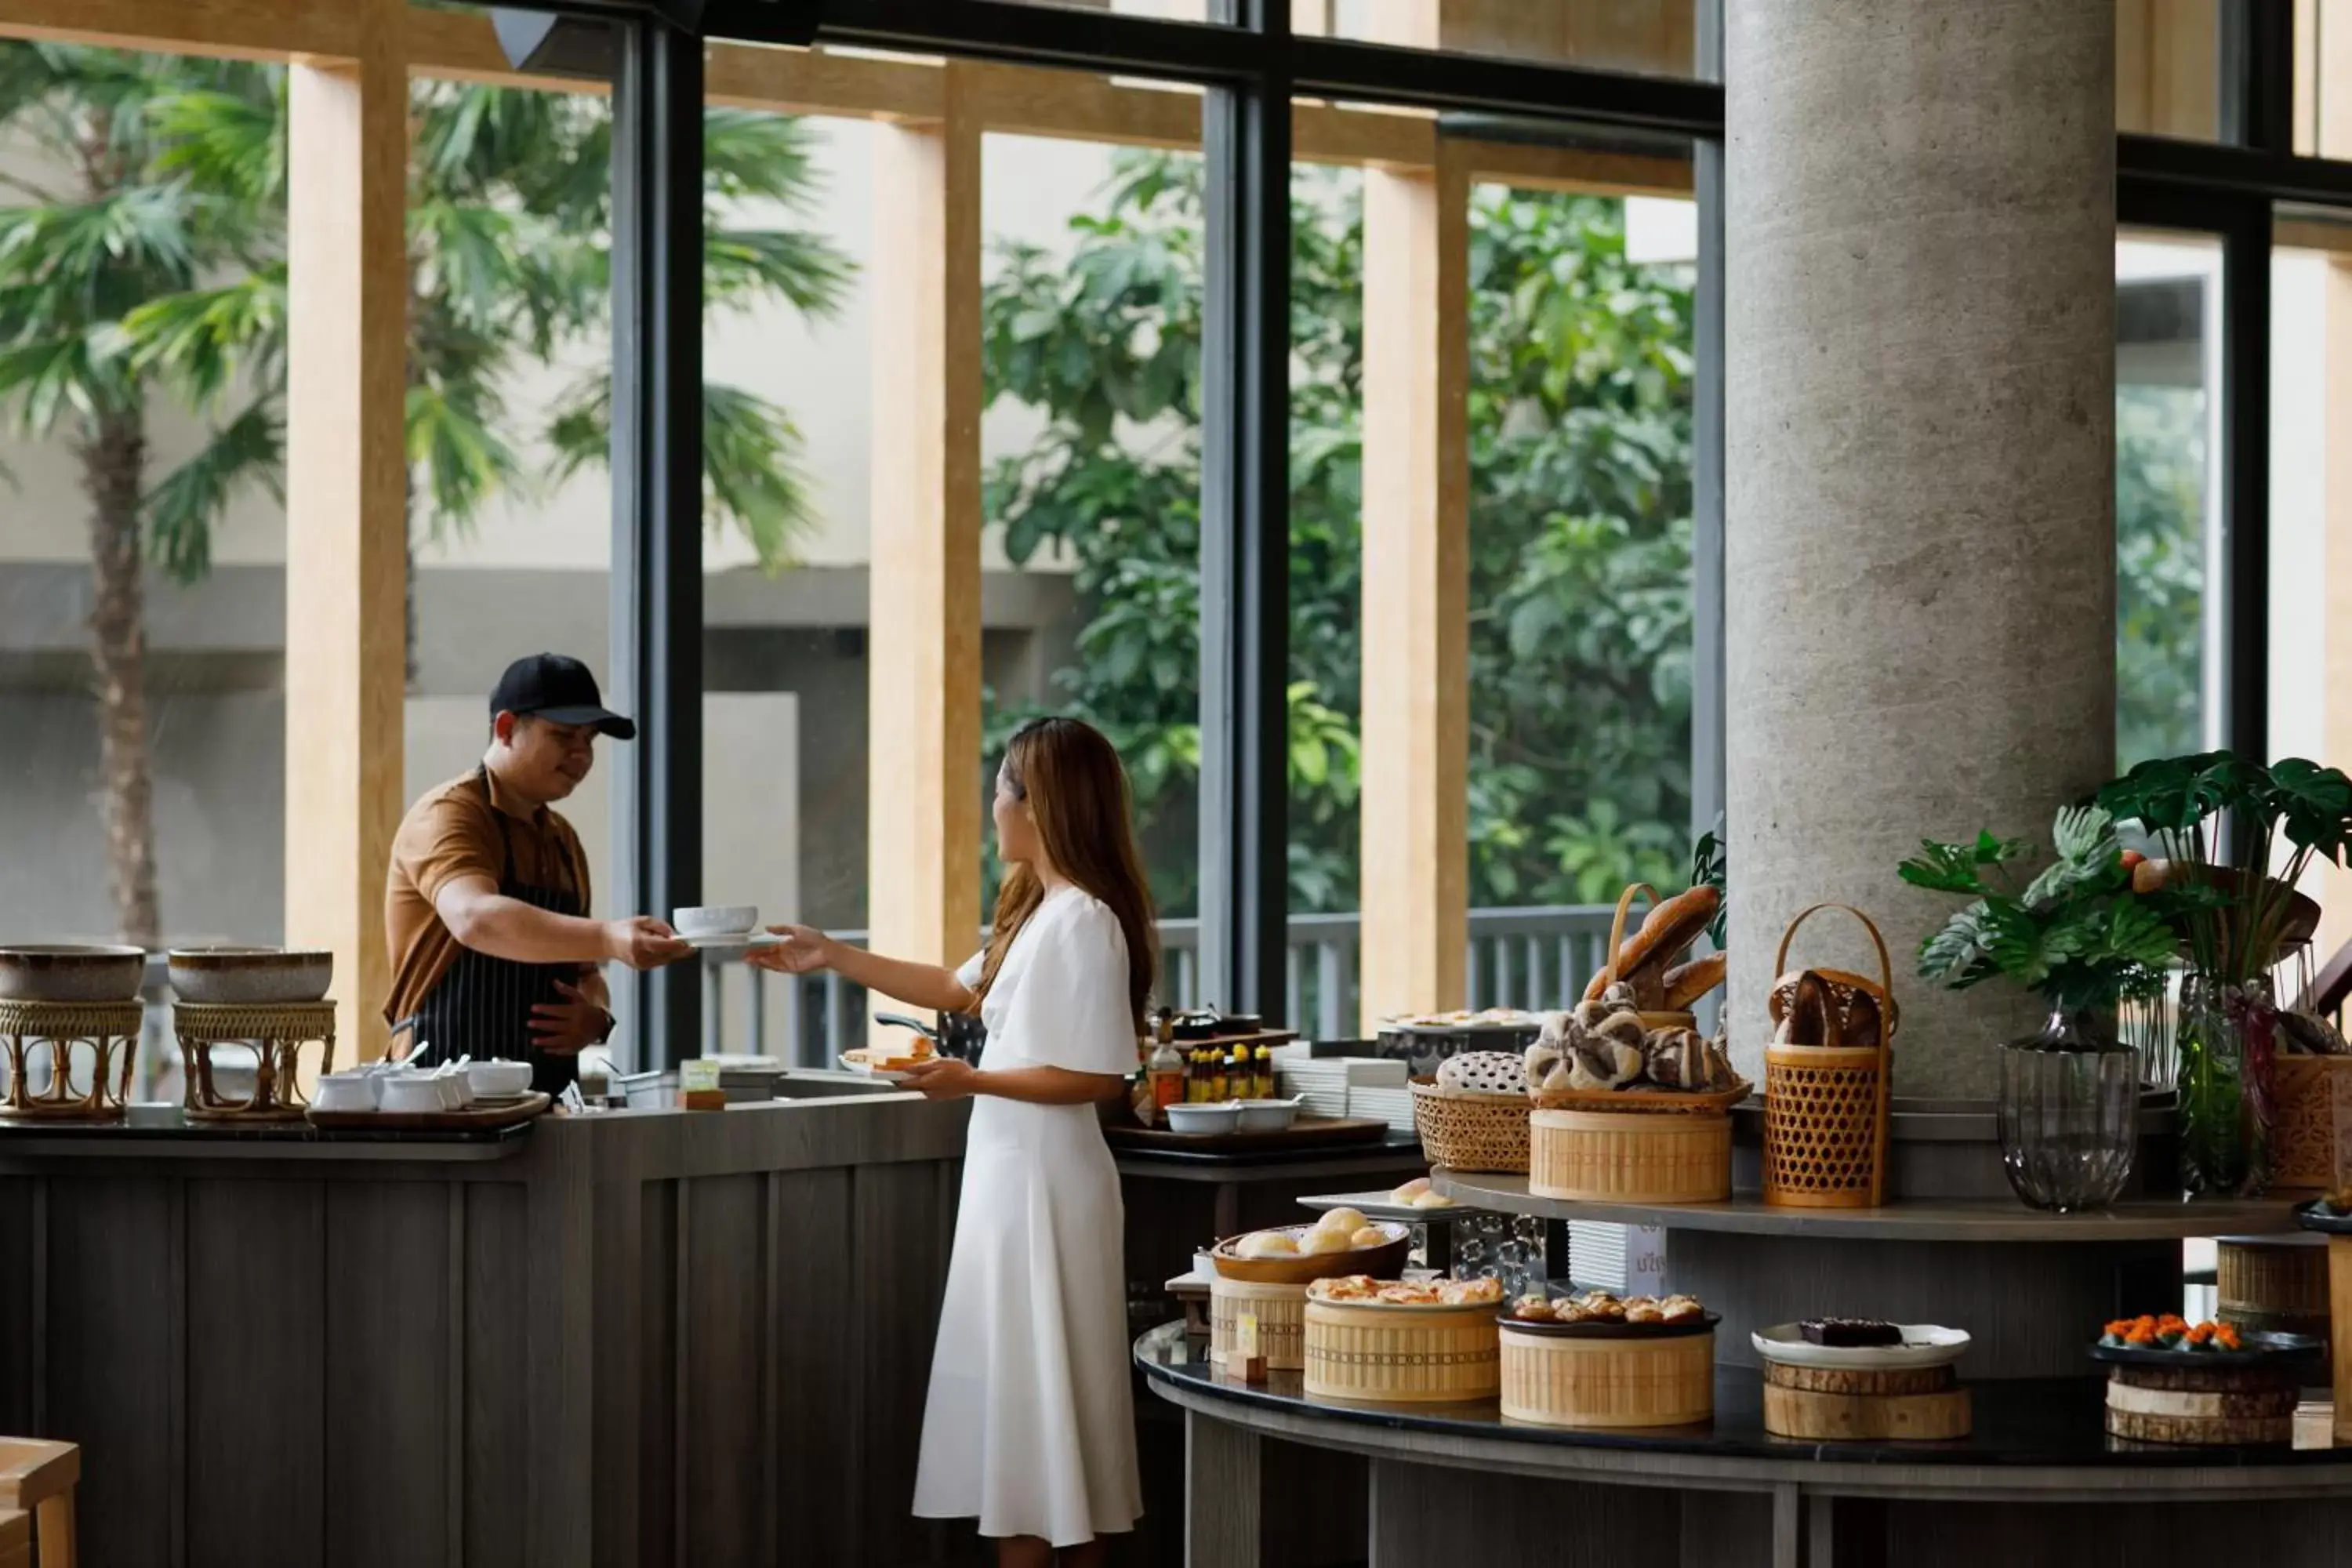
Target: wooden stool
[(39, 1476)]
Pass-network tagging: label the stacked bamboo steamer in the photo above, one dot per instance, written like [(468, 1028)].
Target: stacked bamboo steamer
[(1377, 1353), (1271, 1292)]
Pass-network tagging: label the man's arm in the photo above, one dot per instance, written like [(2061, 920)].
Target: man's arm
[(485, 920)]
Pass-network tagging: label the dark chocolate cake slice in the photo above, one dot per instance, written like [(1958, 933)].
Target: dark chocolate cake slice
[(1850, 1332)]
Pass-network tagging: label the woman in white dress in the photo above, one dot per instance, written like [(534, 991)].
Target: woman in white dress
[(1030, 1424)]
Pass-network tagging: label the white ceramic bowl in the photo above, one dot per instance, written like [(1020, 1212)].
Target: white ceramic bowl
[(1225, 1117), (346, 1091), (1268, 1115), (715, 920), (498, 1079), (410, 1094), (456, 1092)]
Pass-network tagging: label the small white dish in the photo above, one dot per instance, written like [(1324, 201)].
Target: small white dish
[(1924, 1344), (715, 920), (732, 942), (498, 1079), (410, 1094), (1268, 1115), (1222, 1117), (455, 1093), (346, 1091)]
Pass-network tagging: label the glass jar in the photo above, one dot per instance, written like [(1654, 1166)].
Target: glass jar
[(2225, 1037), (2069, 1112)]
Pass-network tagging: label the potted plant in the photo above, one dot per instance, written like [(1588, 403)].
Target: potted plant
[(2228, 841), (2079, 935)]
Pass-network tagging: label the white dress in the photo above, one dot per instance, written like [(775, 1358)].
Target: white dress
[(1030, 1426)]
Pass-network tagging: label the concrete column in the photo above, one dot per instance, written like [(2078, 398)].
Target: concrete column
[(1920, 513)]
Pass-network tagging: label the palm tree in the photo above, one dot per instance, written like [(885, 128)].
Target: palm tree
[(508, 265)]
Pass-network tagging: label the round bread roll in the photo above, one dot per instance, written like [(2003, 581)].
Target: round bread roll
[(1267, 1244), (1483, 1072), (1344, 1220), (1411, 1189), (1323, 1239), (1433, 1200), (1370, 1235)]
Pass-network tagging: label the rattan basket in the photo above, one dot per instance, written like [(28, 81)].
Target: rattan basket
[(1402, 1356), (1281, 1313), (2302, 1137), (1826, 1106), (1629, 1157), (1557, 1381), (1472, 1131), (2274, 1284)]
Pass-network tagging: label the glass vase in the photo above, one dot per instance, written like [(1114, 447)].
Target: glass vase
[(2069, 1112), (2228, 1099)]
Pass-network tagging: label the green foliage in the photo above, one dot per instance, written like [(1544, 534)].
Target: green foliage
[(2161, 468), (1580, 438), (2078, 933), (165, 270)]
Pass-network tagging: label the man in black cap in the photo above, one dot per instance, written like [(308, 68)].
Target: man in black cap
[(485, 904)]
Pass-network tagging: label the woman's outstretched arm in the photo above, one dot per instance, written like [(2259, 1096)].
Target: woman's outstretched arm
[(805, 949), (949, 1079)]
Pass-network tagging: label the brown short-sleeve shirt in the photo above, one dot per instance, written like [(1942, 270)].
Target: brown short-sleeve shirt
[(452, 832)]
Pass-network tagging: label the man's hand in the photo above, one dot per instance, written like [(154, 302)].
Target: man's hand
[(563, 1028), (642, 941)]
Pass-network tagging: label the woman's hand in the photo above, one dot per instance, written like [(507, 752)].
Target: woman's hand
[(944, 1078), (804, 950)]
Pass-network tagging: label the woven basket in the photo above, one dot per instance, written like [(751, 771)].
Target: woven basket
[(1826, 1106), (1281, 1311), (2302, 1138), (1402, 1356), (2276, 1285), (1555, 1381), (1472, 1131), (1621, 1157)]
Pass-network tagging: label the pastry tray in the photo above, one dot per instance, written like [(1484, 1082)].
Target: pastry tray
[(2261, 1350), (1609, 1329)]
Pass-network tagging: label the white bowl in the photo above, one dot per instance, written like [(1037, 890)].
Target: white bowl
[(410, 1094), (498, 1079), (1924, 1344), (456, 1092), (715, 920), (1224, 1117), (1268, 1115), (346, 1091)]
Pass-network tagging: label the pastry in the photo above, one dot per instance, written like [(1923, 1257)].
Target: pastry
[(1483, 1072), (1433, 1200), (1534, 1310), (1407, 1293), (1369, 1235), (1344, 1288), (1678, 1058), (1856, 1024), (1849, 1331), (1686, 982), (1468, 1292), (1625, 1027), (1664, 938), (1267, 1244), (1320, 1240), (1344, 1220), (1807, 1020), (1643, 1309), (1607, 1064), (1410, 1191), (1681, 1309), (1601, 1306), (1546, 1061)]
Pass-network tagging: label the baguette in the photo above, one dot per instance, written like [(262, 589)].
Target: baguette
[(1665, 936), (1686, 982)]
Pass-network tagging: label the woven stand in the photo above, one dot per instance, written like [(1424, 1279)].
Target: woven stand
[(45, 1034), (276, 1035), (1594, 1156), (1413, 1356), (1557, 1381), (1281, 1314)]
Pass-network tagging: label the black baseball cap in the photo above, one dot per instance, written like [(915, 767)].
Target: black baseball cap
[(551, 686)]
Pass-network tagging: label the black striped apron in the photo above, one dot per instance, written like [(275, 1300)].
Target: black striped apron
[(482, 1005)]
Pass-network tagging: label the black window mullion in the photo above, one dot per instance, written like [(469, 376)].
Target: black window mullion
[(656, 564), (1245, 537), (1709, 781), (2245, 458)]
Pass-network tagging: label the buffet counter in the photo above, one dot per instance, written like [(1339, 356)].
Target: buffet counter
[(627, 1337), (1449, 1483)]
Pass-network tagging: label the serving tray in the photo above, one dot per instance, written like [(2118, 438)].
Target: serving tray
[(2308, 1216), (2261, 1349), (1605, 1329), (1306, 1133), (476, 1119)]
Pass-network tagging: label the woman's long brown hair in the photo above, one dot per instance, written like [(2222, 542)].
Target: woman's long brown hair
[(1077, 794)]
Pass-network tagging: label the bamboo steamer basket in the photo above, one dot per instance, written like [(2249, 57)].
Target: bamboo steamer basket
[(1472, 1131), (1281, 1313), (1826, 1106), (1554, 1380), (1382, 1354), (1629, 1157), (2271, 1285), (2303, 1143)]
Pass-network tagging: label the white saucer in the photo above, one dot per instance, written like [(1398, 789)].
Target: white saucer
[(731, 941), (1924, 1344)]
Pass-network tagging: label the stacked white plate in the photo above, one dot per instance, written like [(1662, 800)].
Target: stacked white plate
[(1393, 1106), (1324, 1086)]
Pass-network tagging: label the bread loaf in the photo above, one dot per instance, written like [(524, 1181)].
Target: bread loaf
[(1809, 1018), (1483, 1072), (1857, 1008), (1686, 982), (1665, 936)]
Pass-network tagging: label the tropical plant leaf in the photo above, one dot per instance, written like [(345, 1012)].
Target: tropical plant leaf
[(1945, 868), (2313, 804), (248, 450), (2026, 947), (1957, 953), (2088, 856)]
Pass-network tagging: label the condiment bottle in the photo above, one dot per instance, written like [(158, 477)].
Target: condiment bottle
[(1267, 1088), (1241, 1078), (1166, 1073)]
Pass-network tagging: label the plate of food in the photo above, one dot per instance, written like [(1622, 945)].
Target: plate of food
[(2167, 1340), (1403, 1295), (1342, 1241), (2330, 1212), (1598, 1315), (1860, 1343), (890, 1066)]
